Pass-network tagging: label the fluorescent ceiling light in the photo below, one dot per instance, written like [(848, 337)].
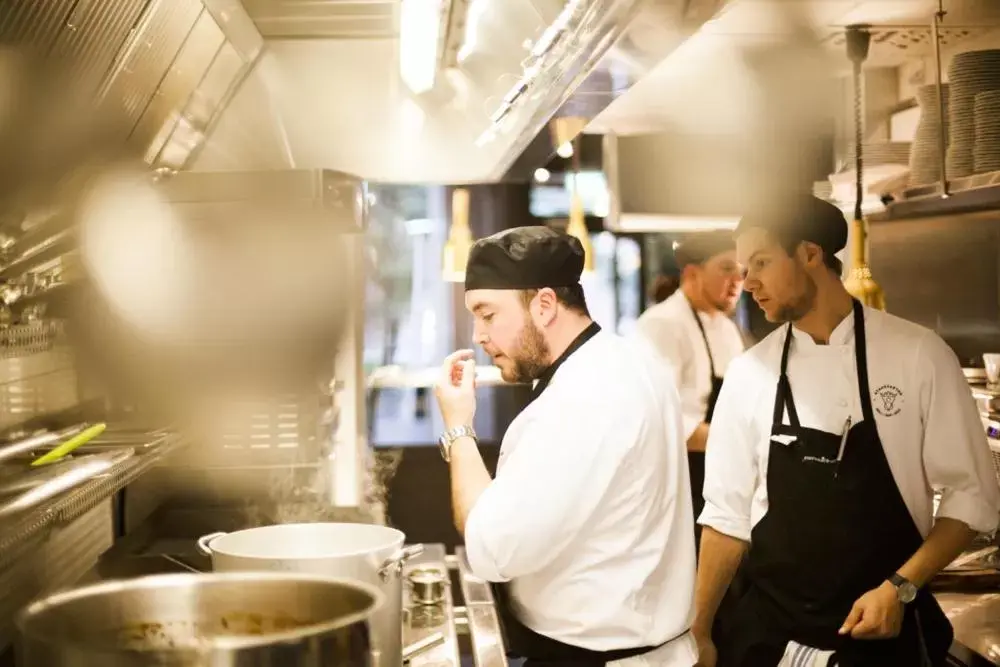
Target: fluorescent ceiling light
[(419, 42), (473, 16), (639, 223)]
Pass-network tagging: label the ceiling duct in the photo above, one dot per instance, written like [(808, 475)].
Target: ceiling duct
[(658, 29), (505, 67)]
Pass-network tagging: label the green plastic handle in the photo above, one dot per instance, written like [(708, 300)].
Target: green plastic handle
[(81, 438)]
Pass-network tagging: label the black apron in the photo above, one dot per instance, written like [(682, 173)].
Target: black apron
[(520, 640), (696, 460), (834, 529)]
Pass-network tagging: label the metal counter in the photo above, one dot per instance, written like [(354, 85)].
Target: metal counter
[(976, 620), (477, 619)]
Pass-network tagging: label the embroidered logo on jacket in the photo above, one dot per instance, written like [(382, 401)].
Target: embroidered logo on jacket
[(887, 400)]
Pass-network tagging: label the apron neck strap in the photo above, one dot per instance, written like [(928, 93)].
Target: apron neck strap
[(704, 337), (546, 377)]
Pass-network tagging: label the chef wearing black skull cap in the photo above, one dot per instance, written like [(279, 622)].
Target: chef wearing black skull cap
[(587, 527), (828, 442), (693, 331)]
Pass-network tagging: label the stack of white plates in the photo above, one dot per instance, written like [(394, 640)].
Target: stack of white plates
[(823, 190), (925, 155), (970, 74), (986, 153), (878, 153)]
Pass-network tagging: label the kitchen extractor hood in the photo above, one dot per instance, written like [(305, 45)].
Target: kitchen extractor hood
[(159, 71), (328, 93)]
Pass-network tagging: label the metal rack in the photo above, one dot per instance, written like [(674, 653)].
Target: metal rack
[(67, 535)]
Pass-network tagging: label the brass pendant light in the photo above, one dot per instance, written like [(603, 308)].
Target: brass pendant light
[(456, 248), (577, 221), (859, 281)]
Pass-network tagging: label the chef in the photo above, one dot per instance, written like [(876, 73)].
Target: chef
[(587, 527), (692, 330), (828, 442)]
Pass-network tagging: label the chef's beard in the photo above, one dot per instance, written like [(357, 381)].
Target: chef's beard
[(800, 307), (530, 358)]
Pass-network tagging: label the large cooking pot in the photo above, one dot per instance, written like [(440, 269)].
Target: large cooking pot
[(203, 620), (364, 552)]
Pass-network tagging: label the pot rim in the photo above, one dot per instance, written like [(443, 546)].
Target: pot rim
[(53, 602), (398, 537)]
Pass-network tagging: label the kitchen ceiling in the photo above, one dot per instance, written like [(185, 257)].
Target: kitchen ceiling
[(327, 92), (704, 86), (330, 19)]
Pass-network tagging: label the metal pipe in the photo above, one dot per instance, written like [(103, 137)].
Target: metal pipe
[(942, 139)]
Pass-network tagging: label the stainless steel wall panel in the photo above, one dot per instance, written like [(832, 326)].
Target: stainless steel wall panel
[(94, 33), (153, 48), (33, 23)]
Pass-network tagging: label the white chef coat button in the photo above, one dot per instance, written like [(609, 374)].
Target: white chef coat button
[(842, 403)]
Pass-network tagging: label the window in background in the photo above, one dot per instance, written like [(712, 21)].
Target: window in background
[(408, 308), (552, 200)]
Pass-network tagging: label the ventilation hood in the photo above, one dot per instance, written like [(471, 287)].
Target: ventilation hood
[(156, 73), (328, 93), (756, 100)]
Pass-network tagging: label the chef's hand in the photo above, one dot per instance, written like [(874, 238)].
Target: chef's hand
[(878, 614), (456, 389), (707, 655)]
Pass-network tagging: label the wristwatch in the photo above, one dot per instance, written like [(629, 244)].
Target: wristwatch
[(906, 591), (450, 436)]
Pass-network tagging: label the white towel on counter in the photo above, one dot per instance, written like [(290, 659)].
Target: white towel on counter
[(797, 655)]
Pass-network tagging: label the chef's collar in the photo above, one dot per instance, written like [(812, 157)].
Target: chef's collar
[(842, 334), (524, 258), (799, 217)]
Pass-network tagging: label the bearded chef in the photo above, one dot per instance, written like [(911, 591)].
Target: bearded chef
[(588, 538), (828, 442), (693, 331)]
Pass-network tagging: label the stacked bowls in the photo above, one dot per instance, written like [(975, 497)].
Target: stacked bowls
[(925, 156), (878, 153), (986, 154), (970, 74)]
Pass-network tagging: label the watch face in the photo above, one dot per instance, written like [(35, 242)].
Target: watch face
[(907, 593)]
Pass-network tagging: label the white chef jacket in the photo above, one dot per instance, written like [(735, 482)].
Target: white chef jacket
[(590, 512), (930, 429), (671, 329)]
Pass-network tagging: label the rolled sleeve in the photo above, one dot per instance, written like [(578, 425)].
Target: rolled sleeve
[(548, 489), (730, 461), (478, 544), (957, 459)]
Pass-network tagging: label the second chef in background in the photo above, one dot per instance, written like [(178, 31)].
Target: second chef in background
[(693, 331)]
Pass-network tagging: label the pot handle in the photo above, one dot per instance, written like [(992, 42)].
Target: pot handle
[(393, 565), (205, 540)]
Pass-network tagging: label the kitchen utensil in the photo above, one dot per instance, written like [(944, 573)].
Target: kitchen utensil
[(427, 585), (31, 443), (364, 552), (71, 444), (991, 361), (202, 620), (416, 648)]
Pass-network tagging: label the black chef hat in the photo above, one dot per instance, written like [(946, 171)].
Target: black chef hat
[(797, 218), (524, 258), (700, 247)]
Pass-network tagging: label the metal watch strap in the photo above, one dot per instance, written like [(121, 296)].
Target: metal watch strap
[(450, 436)]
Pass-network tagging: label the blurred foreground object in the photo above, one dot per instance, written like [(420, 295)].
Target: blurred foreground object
[(205, 288)]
